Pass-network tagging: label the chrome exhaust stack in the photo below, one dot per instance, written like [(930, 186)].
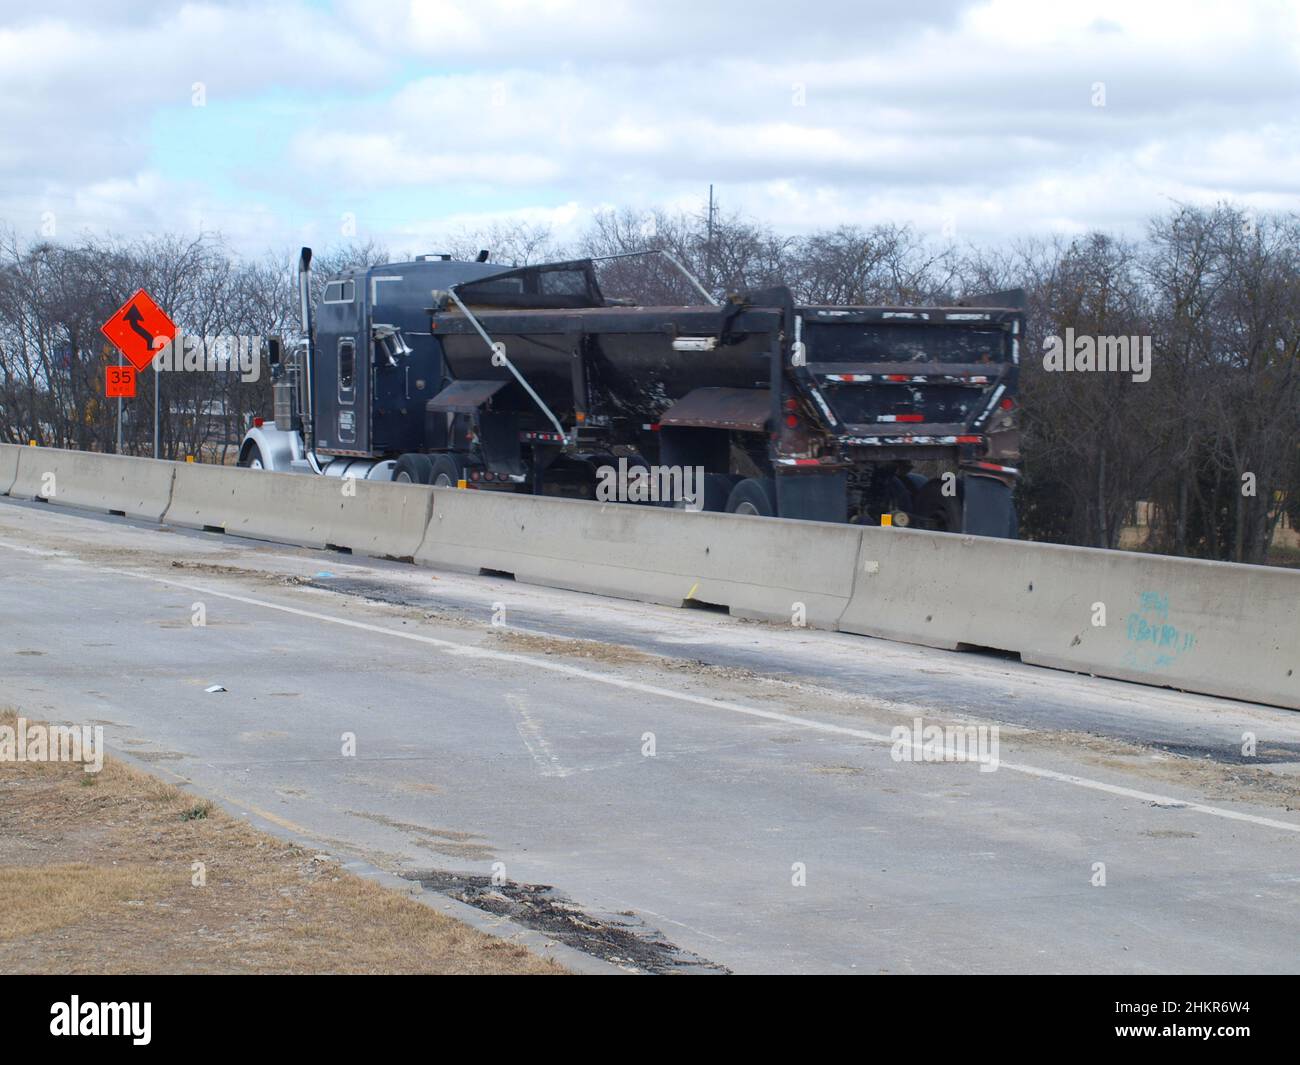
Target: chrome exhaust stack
[(309, 352)]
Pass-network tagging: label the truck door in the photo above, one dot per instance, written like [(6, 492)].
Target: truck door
[(339, 374)]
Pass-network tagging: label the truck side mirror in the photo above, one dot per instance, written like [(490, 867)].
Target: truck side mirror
[(275, 356)]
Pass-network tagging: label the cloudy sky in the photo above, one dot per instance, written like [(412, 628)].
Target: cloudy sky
[(277, 122)]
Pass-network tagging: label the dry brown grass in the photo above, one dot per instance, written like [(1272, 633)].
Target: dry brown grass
[(45, 898), (96, 876)]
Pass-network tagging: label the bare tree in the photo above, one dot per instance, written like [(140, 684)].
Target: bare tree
[(1210, 440)]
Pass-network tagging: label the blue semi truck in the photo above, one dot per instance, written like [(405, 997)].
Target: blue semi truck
[(531, 379)]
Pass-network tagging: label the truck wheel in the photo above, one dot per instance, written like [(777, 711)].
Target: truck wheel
[(251, 459), (716, 492), (413, 469), (447, 471), (753, 495), (937, 511), (900, 495), (914, 482)]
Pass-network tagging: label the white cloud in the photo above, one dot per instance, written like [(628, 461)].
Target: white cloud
[(928, 112)]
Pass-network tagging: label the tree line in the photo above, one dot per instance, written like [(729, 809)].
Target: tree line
[(1211, 441)]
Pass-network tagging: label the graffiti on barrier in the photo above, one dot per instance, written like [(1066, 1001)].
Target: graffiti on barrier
[(1155, 642)]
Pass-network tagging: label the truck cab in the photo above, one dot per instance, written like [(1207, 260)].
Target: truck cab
[(350, 396)]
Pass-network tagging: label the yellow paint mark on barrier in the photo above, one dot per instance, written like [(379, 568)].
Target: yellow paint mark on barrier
[(886, 520), (691, 593), (31, 443), (189, 458), (462, 483)]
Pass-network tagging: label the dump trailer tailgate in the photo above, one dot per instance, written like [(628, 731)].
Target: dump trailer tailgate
[(936, 373)]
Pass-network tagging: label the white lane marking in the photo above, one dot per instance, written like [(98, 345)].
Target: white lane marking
[(700, 700), (1145, 796), (749, 711), (35, 551), (623, 906), (530, 731)]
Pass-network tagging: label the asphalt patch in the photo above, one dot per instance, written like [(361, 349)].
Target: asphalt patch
[(1231, 754), (622, 939)]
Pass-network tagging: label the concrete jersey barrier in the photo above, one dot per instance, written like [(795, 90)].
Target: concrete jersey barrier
[(757, 568), (8, 466), (1219, 628), (376, 518), (1215, 627), (119, 484)]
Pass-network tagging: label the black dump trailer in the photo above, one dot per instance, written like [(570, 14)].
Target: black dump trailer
[(531, 380), (823, 413)]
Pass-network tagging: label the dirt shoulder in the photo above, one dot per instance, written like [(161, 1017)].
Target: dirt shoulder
[(120, 872)]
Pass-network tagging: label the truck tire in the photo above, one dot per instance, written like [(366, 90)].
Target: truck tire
[(716, 491), (753, 495), (251, 458), (447, 471), (914, 481), (936, 511), (413, 469), (638, 461), (900, 495)]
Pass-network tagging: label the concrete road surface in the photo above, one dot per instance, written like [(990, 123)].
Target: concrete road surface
[(713, 795)]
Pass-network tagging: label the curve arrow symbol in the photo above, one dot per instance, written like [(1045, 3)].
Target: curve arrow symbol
[(133, 317)]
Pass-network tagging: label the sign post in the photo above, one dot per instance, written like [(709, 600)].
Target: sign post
[(138, 330)]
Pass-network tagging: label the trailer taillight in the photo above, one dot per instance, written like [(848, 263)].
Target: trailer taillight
[(257, 423), (792, 421), (1007, 404)]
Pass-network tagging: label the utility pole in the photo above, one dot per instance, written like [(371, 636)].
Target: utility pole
[(708, 246)]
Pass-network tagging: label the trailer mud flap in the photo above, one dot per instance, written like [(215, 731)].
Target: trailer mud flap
[(693, 446), (499, 439), (988, 508), (813, 496)]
